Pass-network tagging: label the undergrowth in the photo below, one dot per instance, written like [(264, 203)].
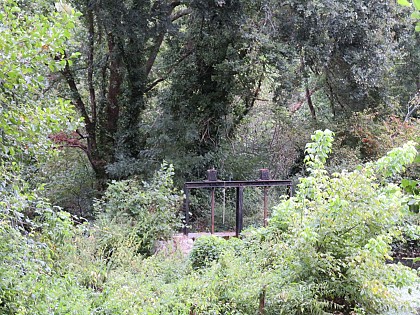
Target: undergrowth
[(325, 250)]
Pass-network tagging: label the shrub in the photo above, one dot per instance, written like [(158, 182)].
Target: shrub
[(336, 232), (206, 250), (150, 211), (33, 278)]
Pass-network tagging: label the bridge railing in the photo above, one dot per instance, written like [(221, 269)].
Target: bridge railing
[(213, 183)]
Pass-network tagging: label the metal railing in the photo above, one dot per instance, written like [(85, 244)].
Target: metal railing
[(213, 183)]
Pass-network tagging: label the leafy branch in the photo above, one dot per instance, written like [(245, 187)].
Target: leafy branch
[(416, 14)]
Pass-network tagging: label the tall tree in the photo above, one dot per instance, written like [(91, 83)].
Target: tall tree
[(347, 50), (208, 97), (131, 48), (108, 85)]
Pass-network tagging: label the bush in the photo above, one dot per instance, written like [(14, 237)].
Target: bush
[(150, 211), (206, 250), (34, 279), (336, 232)]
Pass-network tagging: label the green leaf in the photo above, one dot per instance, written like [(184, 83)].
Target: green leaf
[(417, 27), (404, 3), (415, 15), (416, 4)]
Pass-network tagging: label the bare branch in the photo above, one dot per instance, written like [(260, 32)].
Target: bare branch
[(296, 106), (91, 37), (310, 104), (415, 101), (77, 98), (157, 81), (154, 53), (180, 14), (159, 39)]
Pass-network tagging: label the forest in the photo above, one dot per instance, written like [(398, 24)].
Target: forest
[(108, 107)]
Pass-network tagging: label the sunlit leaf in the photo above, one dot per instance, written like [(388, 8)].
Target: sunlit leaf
[(415, 15), (404, 3)]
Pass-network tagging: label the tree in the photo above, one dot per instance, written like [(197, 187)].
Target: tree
[(192, 56), (120, 43), (345, 50), (174, 79), (207, 97)]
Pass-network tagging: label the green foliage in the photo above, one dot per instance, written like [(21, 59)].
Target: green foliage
[(212, 91), (339, 228), (416, 13), (412, 187), (328, 48), (325, 250), (318, 150), (206, 250), (68, 181), (150, 211), (33, 279), (28, 45), (396, 160)]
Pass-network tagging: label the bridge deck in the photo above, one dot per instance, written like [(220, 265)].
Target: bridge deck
[(220, 234)]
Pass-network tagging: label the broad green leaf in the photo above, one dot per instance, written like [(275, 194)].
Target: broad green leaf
[(415, 15), (404, 3), (417, 4)]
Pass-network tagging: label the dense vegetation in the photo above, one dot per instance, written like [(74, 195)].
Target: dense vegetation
[(107, 107)]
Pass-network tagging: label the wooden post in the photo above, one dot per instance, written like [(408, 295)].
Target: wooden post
[(239, 209), (261, 309), (212, 175)]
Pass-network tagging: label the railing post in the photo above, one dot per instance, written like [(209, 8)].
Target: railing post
[(212, 210), (212, 177), (239, 209), (265, 206), (187, 210), (265, 175)]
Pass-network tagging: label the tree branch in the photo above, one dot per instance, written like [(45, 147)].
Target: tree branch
[(180, 14), (412, 108), (91, 38), (296, 106), (310, 104), (157, 81), (155, 50), (77, 99), (248, 107), (159, 39)]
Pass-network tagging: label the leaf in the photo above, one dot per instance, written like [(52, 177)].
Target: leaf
[(415, 15), (417, 27), (404, 3), (416, 4)]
